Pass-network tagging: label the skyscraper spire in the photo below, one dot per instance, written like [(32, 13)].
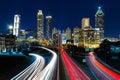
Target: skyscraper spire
[(99, 11), (99, 22)]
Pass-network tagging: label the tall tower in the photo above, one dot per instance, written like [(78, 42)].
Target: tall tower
[(48, 22), (16, 28), (40, 25), (85, 23), (99, 22)]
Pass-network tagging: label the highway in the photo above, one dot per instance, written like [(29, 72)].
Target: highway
[(38, 70), (101, 71), (74, 72), (48, 73), (31, 70)]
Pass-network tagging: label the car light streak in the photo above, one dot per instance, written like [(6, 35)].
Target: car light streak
[(108, 73), (31, 70), (75, 73), (48, 72), (98, 72)]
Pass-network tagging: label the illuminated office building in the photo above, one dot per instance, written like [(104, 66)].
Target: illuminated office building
[(99, 22), (16, 28), (97, 35), (76, 35), (85, 23), (2, 42), (57, 39), (48, 22), (68, 33), (40, 25)]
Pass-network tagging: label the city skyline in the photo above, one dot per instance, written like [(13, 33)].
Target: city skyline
[(64, 15)]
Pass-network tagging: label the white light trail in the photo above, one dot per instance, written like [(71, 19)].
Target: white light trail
[(36, 71), (31, 70), (48, 72)]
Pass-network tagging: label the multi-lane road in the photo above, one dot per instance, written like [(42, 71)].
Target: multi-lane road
[(40, 70), (101, 71), (74, 72), (31, 70), (49, 71)]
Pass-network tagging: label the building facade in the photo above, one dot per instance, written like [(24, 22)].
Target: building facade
[(48, 23), (68, 33), (16, 28), (57, 39), (85, 22), (40, 25), (99, 22), (76, 36), (2, 42), (10, 41)]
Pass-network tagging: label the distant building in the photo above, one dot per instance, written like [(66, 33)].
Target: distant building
[(97, 36), (68, 33), (85, 23), (99, 22), (22, 36), (16, 28), (10, 41), (57, 39), (54, 30), (88, 37), (35, 35), (63, 37), (40, 25), (2, 42), (48, 22), (76, 35), (112, 39)]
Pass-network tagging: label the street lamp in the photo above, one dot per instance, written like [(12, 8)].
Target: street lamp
[(11, 29)]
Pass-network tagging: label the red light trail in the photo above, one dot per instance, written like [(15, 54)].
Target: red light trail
[(75, 73), (106, 70)]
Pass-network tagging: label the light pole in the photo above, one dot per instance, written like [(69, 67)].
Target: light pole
[(11, 29)]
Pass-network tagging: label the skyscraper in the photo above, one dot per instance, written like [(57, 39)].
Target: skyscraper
[(76, 35), (40, 25), (85, 23), (68, 33), (99, 22), (48, 22), (16, 28)]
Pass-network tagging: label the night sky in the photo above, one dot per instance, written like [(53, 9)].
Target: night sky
[(65, 13)]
